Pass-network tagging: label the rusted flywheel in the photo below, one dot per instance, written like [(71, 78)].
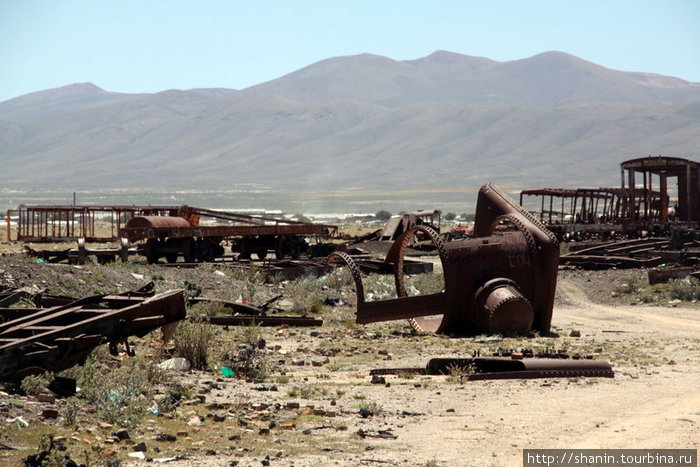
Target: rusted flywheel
[(367, 312)]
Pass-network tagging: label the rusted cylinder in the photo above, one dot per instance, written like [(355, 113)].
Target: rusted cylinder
[(500, 307), (140, 222)]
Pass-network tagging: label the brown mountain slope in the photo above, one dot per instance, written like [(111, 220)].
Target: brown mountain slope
[(362, 121)]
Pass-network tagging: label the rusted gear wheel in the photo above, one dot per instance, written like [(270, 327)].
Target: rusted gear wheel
[(354, 270), (395, 257)]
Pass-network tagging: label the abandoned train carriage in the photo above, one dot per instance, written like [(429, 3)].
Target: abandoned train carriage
[(193, 233), (645, 202)]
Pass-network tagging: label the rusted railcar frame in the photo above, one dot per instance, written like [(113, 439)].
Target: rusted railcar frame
[(56, 338)]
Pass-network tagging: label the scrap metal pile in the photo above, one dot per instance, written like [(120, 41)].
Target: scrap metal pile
[(649, 252), (492, 282), (58, 332)]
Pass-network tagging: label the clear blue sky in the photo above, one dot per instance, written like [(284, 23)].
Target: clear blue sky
[(154, 45)]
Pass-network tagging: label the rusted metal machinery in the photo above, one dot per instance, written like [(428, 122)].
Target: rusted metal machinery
[(53, 339), (635, 209), (186, 235), (492, 282), (397, 225)]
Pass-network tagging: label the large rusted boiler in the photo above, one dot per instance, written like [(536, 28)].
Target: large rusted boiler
[(499, 281)]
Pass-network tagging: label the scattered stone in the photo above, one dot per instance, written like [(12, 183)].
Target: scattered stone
[(292, 405), (264, 431), (195, 420), (18, 422), (140, 447), (167, 438), (122, 434), (365, 412), (217, 416), (177, 364), (137, 455), (46, 397), (575, 333), (376, 379), (49, 413)]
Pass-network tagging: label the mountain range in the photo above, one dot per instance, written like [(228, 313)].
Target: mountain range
[(361, 122)]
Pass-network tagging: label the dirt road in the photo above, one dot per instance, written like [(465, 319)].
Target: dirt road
[(651, 403)]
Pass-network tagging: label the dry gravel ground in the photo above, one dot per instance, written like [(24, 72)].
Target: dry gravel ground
[(653, 401)]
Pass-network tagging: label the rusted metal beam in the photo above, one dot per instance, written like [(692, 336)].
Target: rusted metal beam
[(264, 320), (487, 368), (638, 253), (521, 368), (244, 314)]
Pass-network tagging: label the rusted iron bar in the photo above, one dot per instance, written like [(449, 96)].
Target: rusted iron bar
[(56, 338), (244, 314), (626, 254), (662, 275), (492, 282), (264, 320), (487, 368), (608, 262), (525, 368)]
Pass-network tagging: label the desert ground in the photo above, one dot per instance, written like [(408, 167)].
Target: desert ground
[(313, 401)]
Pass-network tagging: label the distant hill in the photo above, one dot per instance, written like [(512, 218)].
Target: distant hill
[(358, 122), (549, 79)]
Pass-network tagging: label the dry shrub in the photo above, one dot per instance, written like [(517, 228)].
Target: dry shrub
[(687, 289), (34, 385), (120, 395), (193, 339), (305, 294)]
